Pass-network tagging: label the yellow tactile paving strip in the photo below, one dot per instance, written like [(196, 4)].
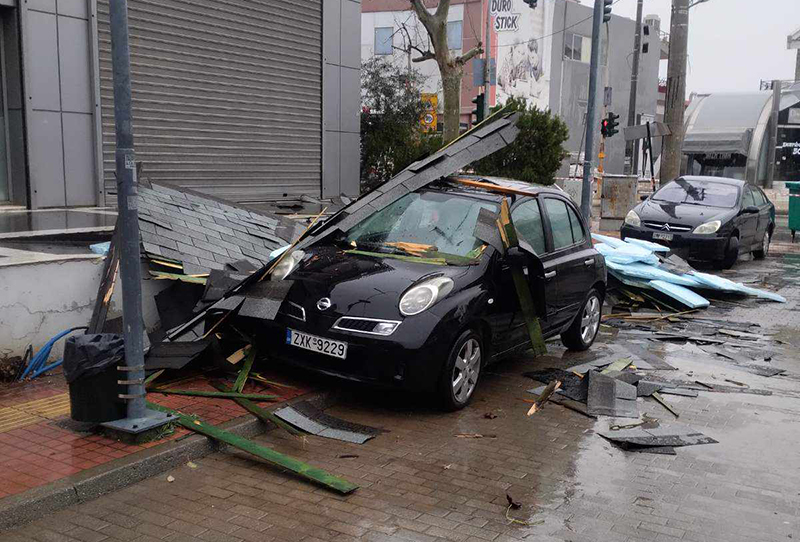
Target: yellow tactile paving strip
[(32, 412)]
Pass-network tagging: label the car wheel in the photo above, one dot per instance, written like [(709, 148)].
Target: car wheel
[(583, 330), (462, 371), (762, 252), (731, 253)]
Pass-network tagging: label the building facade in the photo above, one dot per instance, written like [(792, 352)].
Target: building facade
[(249, 101), (539, 54)]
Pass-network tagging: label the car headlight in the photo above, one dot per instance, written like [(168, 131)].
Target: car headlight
[(708, 227), (423, 295), (632, 219), (286, 265)]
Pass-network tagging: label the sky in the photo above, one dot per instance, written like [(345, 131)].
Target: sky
[(733, 44)]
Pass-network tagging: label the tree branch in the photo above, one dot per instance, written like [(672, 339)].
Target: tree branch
[(442, 9), (423, 56), (475, 51), (422, 13), (409, 46)]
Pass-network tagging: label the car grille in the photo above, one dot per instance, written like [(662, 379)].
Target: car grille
[(362, 325), (294, 310), (672, 227)]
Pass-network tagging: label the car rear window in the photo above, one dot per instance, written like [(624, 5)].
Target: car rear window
[(558, 213), (698, 192)]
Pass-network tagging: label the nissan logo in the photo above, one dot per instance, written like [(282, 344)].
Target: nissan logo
[(324, 304)]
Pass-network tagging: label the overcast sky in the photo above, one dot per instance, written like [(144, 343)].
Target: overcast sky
[(732, 43)]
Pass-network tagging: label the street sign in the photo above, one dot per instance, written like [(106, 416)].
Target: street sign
[(657, 129), (429, 117), (477, 72)]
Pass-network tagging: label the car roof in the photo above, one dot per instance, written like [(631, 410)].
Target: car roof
[(502, 182), (722, 180)]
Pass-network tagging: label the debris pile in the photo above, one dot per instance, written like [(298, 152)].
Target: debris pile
[(644, 272)]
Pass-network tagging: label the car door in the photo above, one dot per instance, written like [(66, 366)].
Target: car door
[(748, 223), (527, 219), (573, 257), (764, 214)]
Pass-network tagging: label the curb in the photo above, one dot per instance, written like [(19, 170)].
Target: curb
[(33, 504)]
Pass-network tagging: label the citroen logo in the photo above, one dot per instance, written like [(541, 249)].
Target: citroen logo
[(324, 304), (665, 226)]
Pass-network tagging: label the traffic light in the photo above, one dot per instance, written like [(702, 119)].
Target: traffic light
[(531, 3), (479, 111), (604, 127), (612, 122), (607, 10)]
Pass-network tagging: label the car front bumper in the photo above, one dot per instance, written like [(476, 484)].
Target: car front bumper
[(410, 359), (690, 246)]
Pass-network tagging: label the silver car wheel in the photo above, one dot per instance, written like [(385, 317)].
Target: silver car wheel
[(590, 320), (466, 370), (765, 243)]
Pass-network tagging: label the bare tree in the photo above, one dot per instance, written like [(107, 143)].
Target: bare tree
[(451, 68)]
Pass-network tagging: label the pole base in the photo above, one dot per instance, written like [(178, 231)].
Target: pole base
[(139, 430)]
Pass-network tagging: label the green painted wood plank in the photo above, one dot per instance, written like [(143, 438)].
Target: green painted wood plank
[(271, 456), (216, 394), (260, 413), (238, 386)]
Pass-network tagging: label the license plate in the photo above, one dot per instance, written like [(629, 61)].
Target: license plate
[(337, 349), (662, 236)]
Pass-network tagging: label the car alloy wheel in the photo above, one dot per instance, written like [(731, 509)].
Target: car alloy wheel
[(466, 370), (590, 320), (765, 243)]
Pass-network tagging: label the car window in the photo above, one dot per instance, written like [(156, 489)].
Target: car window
[(575, 223), (747, 199), (528, 221), (558, 213), (698, 192), (759, 196)]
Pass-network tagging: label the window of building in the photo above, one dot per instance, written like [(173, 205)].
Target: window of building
[(383, 40), (454, 35), (577, 47)]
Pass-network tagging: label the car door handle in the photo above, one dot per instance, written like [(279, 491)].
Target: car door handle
[(590, 261), (550, 274)]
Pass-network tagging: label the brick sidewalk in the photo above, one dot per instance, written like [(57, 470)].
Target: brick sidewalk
[(421, 482), (39, 445)]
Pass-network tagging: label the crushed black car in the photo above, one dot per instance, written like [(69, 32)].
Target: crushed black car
[(410, 298), (712, 219)]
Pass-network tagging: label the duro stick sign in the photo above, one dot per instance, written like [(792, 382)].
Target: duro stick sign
[(504, 20)]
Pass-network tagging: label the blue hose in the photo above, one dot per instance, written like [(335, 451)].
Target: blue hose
[(47, 368), (38, 361)]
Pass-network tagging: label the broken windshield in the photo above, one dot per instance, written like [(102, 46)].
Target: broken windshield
[(710, 193), (423, 222)]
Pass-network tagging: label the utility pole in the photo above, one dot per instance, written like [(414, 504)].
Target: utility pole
[(591, 114), (676, 89), (773, 132), (138, 417), (637, 50), (487, 48)]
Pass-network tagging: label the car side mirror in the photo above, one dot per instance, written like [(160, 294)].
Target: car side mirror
[(750, 210), (643, 197)]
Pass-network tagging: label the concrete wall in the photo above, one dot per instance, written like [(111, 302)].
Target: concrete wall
[(569, 84), (341, 102)]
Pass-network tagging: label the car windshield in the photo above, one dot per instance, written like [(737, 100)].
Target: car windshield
[(426, 222), (697, 192)]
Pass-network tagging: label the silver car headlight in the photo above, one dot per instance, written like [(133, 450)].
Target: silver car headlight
[(286, 266), (632, 219), (421, 296), (708, 227)]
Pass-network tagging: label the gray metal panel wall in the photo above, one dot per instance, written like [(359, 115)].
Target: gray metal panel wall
[(226, 95)]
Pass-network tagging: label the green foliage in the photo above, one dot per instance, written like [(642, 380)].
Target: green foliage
[(391, 132), (536, 154)]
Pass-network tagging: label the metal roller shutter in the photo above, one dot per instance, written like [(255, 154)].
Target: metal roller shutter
[(226, 95)]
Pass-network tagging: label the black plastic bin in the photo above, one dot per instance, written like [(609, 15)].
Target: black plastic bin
[(90, 367)]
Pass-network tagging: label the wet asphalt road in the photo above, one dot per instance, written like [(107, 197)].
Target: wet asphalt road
[(420, 481)]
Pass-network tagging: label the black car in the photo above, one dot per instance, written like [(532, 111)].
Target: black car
[(705, 218), (409, 298)]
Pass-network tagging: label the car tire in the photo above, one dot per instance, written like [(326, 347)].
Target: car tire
[(461, 372), (582, 332), (731, 253), (762, 252)]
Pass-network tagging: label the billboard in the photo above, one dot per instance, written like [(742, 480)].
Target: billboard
[(523, 50)]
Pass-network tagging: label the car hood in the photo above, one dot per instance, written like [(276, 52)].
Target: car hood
[(361, 285), (690, 215)]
